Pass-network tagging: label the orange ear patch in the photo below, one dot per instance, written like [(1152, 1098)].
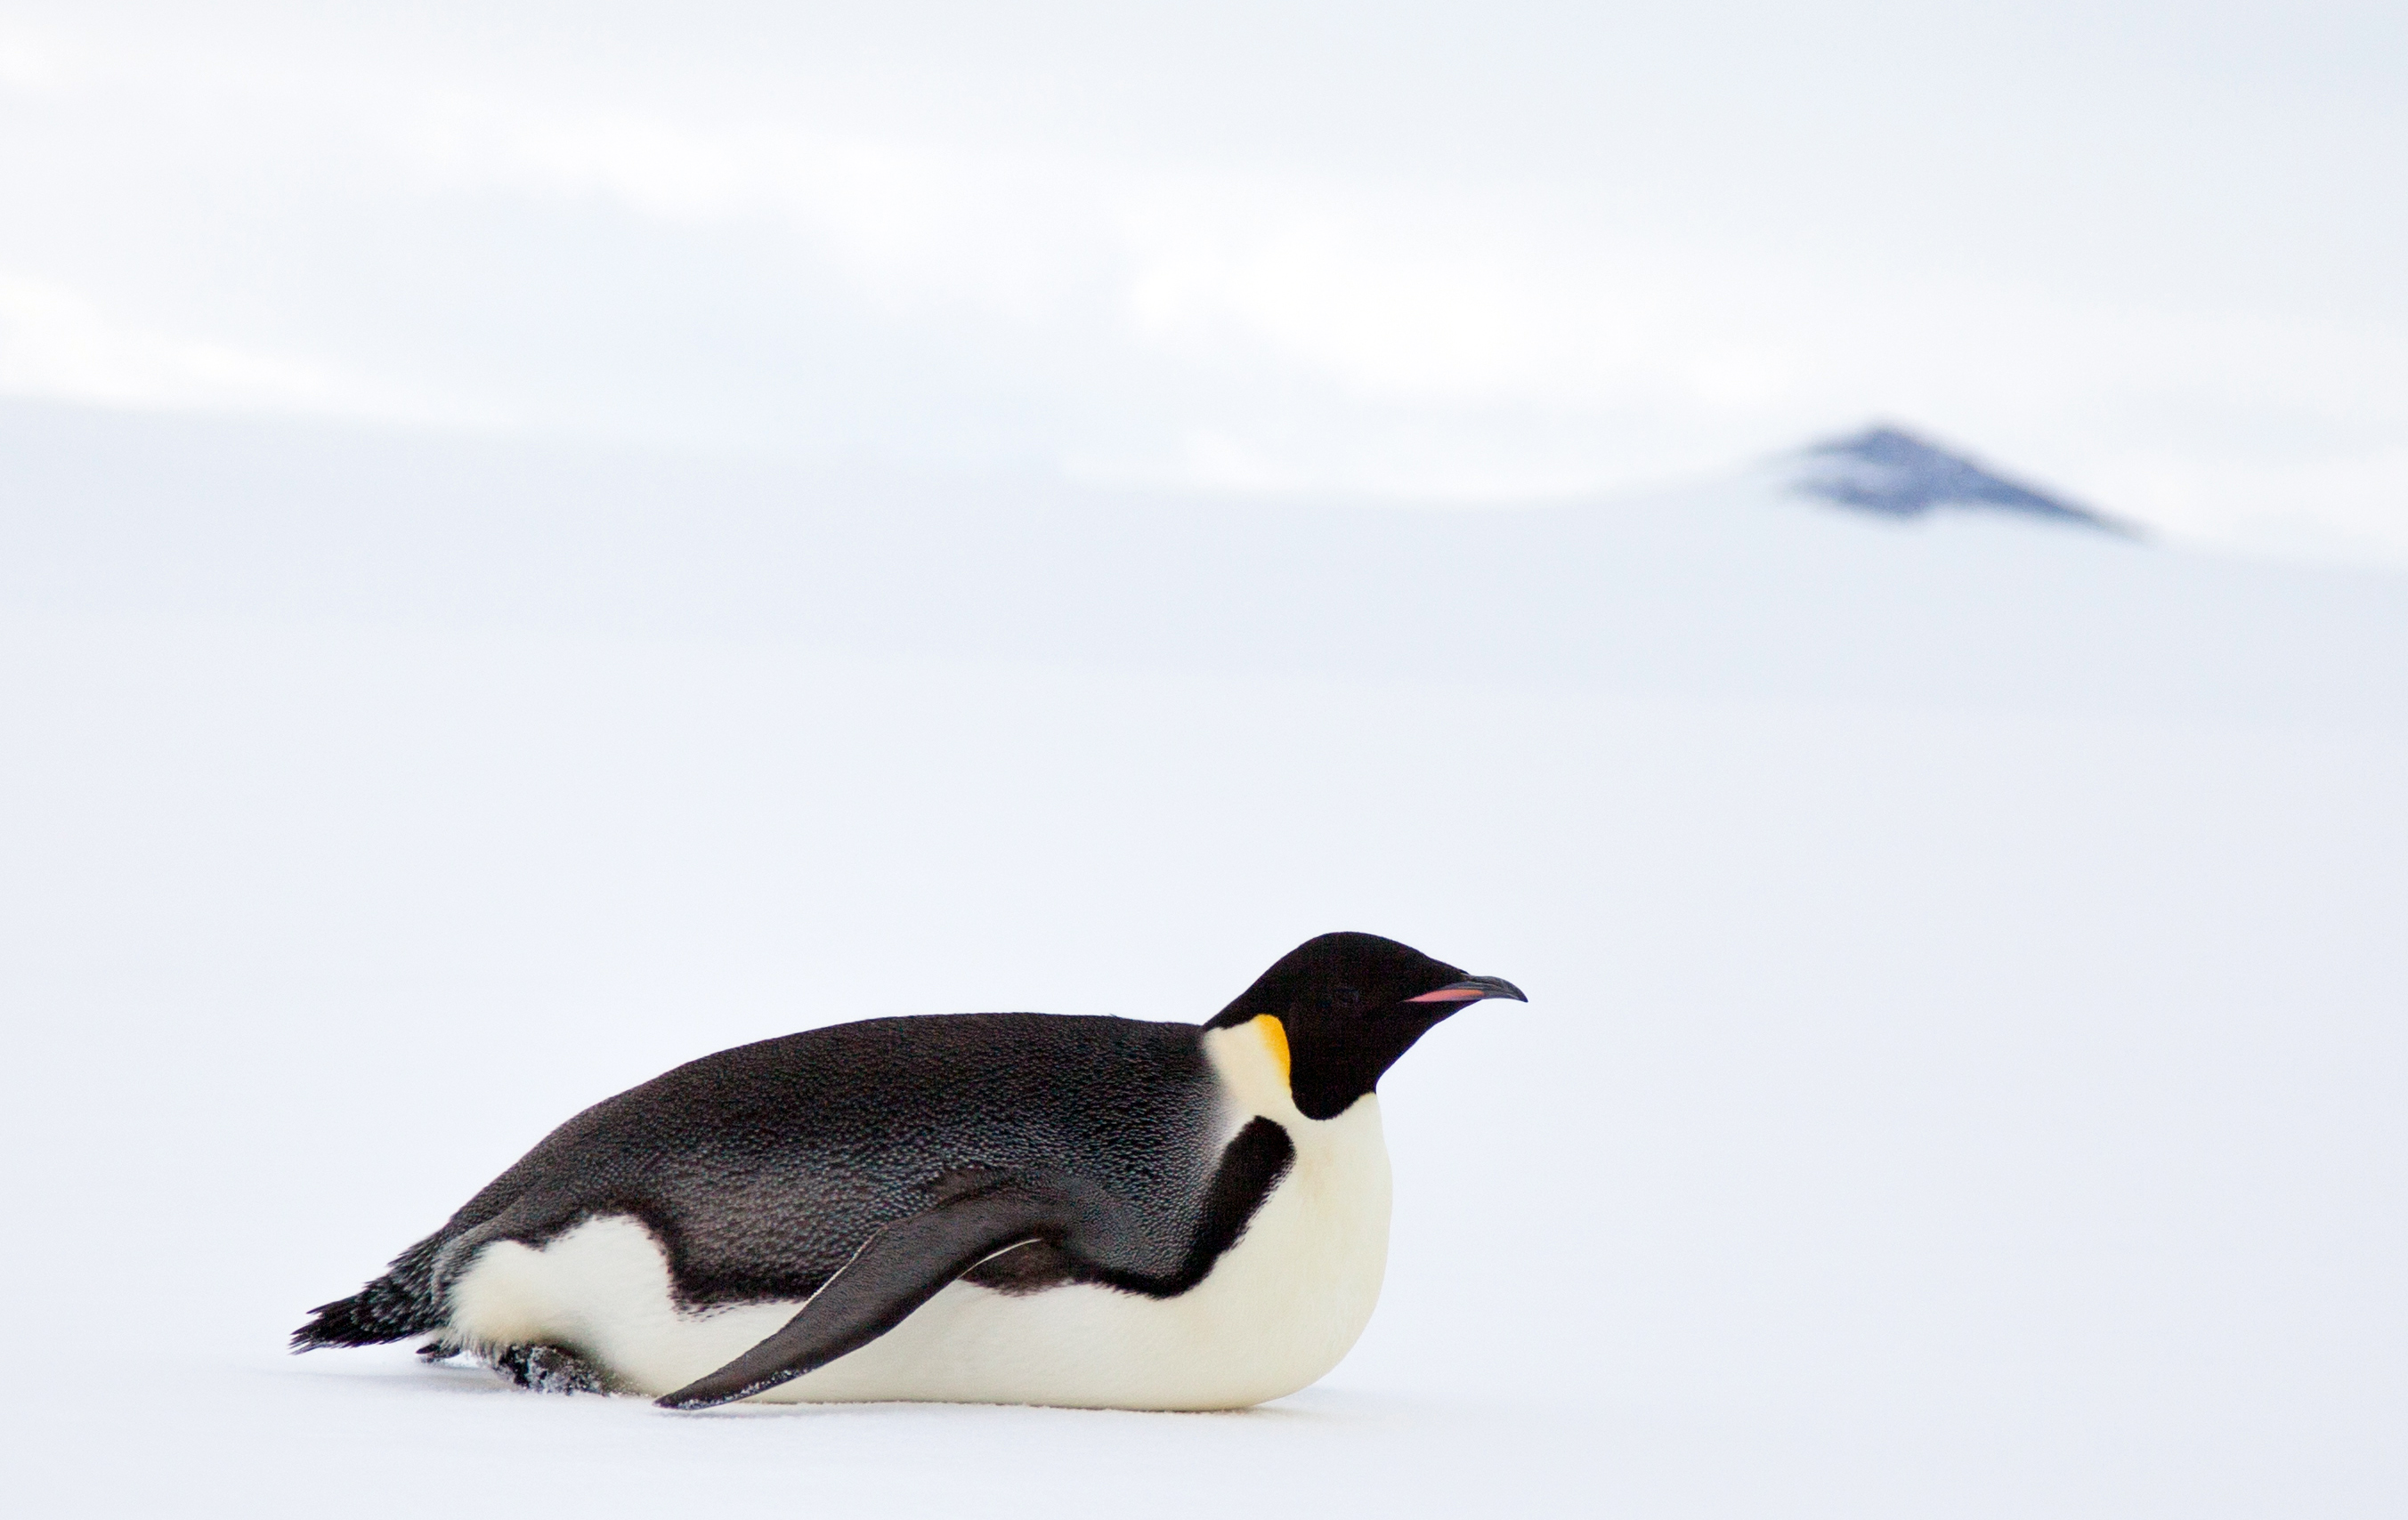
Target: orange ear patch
[(1275, 1040)]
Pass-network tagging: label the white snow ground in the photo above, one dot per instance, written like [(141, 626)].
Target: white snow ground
[(1963, 1075)]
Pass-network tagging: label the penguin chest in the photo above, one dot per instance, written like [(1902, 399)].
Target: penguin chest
[(1277, 1312)]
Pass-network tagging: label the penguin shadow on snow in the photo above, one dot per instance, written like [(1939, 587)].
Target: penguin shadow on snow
[(1022, 1209), (1311, 1410)]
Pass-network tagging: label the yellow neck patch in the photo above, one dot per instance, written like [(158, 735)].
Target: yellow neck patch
[(1275, 1040)]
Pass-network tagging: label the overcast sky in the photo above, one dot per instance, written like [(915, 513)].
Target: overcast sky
[(2149, 254)]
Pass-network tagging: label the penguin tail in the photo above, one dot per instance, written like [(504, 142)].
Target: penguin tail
[(400, 1304)]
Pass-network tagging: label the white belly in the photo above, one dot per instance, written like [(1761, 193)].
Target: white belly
[(1277, 1312)]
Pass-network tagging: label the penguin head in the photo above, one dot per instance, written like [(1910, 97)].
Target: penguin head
[(1348, 1006)]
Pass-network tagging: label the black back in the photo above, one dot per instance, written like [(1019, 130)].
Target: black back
[(762, 1168)]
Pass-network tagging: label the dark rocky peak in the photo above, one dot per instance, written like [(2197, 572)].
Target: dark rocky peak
[(1896, 473)]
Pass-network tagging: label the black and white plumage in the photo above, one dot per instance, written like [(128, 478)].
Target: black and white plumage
[(1020, 1207)]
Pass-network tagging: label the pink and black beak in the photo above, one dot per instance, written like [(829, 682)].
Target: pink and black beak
[(1472, 989)]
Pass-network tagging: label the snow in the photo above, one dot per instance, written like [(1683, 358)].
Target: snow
[(1963, 1075)]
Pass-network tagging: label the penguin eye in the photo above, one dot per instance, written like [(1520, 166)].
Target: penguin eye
[(1346, 999)]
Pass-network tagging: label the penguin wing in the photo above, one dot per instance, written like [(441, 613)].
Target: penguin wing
[(898, 1269)]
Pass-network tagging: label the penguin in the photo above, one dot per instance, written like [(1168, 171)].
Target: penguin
[(984, 1208)]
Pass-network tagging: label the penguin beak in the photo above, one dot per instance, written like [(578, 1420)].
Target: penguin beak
[(1472, 989)]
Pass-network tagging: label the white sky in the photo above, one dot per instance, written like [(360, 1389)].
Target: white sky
[(2148, 254)]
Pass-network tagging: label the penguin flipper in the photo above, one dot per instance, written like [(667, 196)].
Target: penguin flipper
[(897, 1269)]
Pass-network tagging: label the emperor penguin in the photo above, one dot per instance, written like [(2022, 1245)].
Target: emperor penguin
[(986, 1208)]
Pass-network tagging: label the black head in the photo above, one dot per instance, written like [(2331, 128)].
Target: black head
[(1350, 1006)]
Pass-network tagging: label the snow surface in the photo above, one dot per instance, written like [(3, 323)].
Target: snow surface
[(1962, 1076)]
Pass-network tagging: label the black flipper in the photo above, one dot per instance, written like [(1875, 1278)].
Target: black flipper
[(896, 1270)]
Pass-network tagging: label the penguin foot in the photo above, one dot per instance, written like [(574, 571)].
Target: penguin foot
[(542, 1369)]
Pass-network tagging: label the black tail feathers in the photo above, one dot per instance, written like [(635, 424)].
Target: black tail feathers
[(400, 1303)]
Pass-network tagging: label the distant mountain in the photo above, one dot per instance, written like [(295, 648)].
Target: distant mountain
[(1734, 586), (1896, 473)]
